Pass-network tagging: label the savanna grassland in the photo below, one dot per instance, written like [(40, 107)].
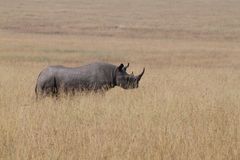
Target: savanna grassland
[(188, 102)]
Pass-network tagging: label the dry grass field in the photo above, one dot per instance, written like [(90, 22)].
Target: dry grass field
[(188, 102)]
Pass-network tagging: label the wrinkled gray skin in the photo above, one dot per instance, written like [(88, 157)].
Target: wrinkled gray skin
[(97, 76)]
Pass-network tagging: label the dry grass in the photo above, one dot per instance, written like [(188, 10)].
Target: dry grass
[(188, 103)]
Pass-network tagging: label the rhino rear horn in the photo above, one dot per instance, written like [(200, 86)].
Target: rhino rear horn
[(140, 75)]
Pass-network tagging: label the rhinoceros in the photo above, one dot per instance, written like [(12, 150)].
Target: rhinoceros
[(97, 76)]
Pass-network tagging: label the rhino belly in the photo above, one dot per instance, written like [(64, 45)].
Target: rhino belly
[(77, 84)]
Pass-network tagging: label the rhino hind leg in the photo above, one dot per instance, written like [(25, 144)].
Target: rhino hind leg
[(52, 89), (39, 93), (48, 88)]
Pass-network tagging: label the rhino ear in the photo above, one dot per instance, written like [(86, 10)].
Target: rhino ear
[(120, 67)]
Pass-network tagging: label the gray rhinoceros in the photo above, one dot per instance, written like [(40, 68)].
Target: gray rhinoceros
[(96, 76)]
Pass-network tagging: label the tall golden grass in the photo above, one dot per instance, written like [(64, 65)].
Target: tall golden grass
[(188, 102)]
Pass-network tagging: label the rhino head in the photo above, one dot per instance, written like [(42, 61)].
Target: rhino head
[(125, 80)]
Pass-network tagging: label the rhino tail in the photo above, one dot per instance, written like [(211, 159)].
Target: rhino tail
[(36, 87), (36, 92)]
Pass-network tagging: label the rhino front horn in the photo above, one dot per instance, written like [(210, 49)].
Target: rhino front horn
[(140, 75)]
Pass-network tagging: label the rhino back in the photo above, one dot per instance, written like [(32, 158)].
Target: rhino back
[(95, 74)]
